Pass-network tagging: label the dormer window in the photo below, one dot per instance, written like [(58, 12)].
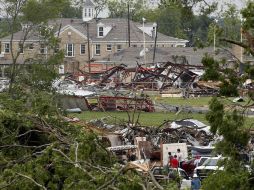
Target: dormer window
[(101, 31)]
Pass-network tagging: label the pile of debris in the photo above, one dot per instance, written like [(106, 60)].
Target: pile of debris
[(157, 77), (191, 132)]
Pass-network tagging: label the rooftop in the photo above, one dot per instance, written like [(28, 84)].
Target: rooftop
[(118, 32)]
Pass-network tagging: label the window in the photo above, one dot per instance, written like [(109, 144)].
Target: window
[(118, 47), (135, 45), (69, 50), (82, 49), (85, 12), (109, 47), (101, 31), (7, 48), (89, 12), (31, 46), (98, 49), (21, 49), (43, 49)]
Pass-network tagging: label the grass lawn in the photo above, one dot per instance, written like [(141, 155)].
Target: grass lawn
[(195, 102), (155, 119), (198, 102), (146, 119)]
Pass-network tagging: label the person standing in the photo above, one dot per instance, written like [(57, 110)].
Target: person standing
[(174, 162), (170, 158), (179, 157), (195, 183), (196, 161)]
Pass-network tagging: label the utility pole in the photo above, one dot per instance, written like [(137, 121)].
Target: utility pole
[(241, 56), (214, 35), (129, 32), (88, 43), (144, 40), (155, 42)]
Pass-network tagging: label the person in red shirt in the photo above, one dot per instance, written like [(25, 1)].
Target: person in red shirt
[(170, 157), (174, 162)]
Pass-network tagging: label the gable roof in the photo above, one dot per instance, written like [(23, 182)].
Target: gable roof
[(118, 32), (73, 29), (89, 3)]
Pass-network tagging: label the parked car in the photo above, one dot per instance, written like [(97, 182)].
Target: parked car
[(210, 165), (161, 173)]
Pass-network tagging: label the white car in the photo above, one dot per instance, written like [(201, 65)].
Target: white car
[(191, 123), (210, 165), (161, 174)]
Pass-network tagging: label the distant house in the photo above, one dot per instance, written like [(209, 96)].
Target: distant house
[(106, 37)]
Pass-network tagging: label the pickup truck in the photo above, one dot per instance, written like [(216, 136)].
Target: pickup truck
[(209, 166)]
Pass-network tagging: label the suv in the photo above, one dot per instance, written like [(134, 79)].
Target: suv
[(161, 173), (210, 165)]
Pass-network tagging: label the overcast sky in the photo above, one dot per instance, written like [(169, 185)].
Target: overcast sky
[(222, 5)]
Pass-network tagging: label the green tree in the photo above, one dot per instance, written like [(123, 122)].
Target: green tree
[(212, 68), (247, 29), (229, 125), (178, 20), (30, 14), (70, 11), (231, 25), (3, 28), (40, 150), (227, 76), (120, 8)]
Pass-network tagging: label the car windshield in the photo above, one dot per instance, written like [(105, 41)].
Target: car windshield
[(211, 162), (202, 160)]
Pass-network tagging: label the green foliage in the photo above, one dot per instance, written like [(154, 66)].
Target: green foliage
[(40, 150), (248, 14), (235, 138), (231, 25), (215, 115), (120, 8), (230, 126), (212, 68), (214, 71), (36, 12), (178, 21), (229, 89), (71, 12), (224, 180), (4, 29)]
